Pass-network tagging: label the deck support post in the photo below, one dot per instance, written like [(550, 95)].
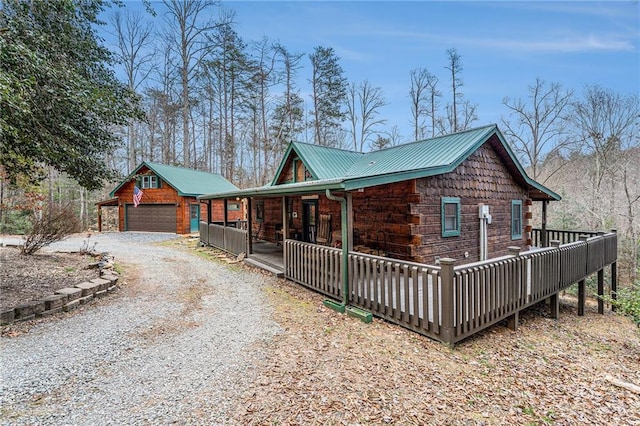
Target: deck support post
[(600, 291), (581, 297), (250, 230), (554, 304), (614, 285), (447, 330), (512, 321)]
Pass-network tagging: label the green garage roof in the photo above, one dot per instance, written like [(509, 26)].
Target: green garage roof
[(187, 182)]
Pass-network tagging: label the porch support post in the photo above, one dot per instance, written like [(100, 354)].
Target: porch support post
[(345, 246), (581, 297), (226, 216), (285, 222), (349, 221), (209, 218), (447, 329), (543, 231), (600, 291), (99, 218), (250, 228)]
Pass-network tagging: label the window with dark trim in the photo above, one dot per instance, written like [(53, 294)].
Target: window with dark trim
[(233, 207), (516, 219), (450, 211)]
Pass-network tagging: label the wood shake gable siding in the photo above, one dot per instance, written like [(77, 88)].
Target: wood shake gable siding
[(481, 179)]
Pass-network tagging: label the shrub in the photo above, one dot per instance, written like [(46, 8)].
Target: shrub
[(628, 302), (51, 225)]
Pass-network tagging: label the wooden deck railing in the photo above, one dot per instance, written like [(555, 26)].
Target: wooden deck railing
[(402, 292), (447, 302), (314, 266), (226, 238), (565, 237)]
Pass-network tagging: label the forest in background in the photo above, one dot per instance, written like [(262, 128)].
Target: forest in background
[(216, 102)]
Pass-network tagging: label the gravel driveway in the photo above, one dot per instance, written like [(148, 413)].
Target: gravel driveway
[(174, 346)]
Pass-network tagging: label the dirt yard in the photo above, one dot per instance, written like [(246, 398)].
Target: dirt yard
[(26, 278), (328, 368)]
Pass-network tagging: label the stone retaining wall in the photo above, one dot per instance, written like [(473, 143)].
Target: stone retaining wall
[(68, 298)]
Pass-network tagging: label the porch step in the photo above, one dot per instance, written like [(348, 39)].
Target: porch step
[(267, 267)]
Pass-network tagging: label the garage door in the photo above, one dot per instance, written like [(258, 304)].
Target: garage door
[(151, 218)]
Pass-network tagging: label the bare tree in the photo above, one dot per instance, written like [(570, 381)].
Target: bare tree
[(434, 94), (418, 93), (606, 123), (134, 36), (352, 114), (455, 68), (363, 106), (631, 187), (537, 127), (371, 100), (186, 28)]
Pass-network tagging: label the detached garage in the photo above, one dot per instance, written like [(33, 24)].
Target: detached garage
[(160, 198)]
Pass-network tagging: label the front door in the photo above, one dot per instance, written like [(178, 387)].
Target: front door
[(195, 217), (309, 220)]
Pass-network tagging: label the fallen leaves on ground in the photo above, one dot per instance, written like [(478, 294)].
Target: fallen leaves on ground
[(329, 368)]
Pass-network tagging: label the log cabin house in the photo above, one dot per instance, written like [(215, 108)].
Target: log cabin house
[(168, 200), (392, 231), (464, 196)]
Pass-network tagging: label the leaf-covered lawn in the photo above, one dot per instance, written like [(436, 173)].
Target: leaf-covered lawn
[(328, 368)]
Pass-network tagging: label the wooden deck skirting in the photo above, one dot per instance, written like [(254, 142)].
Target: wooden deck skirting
[(450, 303)]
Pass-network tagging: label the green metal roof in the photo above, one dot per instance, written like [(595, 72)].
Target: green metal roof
[(325, 162), (187, 182), (337, 169), (429, 154), (322, 162)]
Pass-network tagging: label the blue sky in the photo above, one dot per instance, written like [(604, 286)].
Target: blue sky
[(504, 46)]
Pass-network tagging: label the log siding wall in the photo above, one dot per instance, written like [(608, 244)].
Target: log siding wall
[(403, 220), (163, 195)]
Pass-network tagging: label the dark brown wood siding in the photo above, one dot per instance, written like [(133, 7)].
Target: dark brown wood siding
[(481, 179)]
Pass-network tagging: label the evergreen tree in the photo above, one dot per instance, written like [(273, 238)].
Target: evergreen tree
[(329, 96), (58, 97)]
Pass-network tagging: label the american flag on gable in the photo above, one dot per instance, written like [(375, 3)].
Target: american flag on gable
[(137, 196)]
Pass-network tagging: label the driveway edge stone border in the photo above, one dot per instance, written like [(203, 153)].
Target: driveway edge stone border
[(68, 298)]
